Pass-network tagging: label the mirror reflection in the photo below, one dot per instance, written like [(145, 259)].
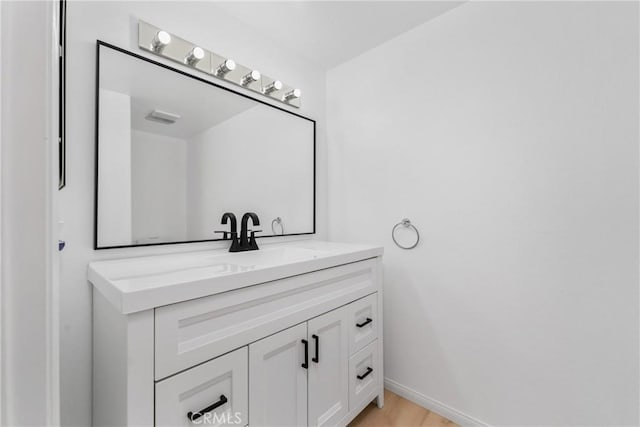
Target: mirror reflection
[(176, 153)]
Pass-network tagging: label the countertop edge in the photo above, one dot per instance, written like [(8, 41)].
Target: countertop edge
[(133, 302)]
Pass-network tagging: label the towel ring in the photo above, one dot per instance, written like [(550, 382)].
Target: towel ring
[(405, 223), (278, 221)]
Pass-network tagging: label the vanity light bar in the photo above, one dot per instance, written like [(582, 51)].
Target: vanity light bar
[(162, 43)]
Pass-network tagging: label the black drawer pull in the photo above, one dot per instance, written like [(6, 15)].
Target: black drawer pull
[(194, 416), (363, 376), (317, 339), (305, 365), (365, 323)]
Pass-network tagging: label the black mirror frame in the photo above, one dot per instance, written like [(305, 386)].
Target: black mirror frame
[(99, 44)]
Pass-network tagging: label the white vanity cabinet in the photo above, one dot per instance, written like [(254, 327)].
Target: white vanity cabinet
[(301, 350)]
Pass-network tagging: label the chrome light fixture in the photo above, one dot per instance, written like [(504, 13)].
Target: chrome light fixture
[(194, 56), (224, 68), (160, 41), (155, 40), (251, 77), (292, 94), (272, 87)]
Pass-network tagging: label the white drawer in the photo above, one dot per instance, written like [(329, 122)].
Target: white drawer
[(364, 372), (222, 381), (363, 322), (194, 331)]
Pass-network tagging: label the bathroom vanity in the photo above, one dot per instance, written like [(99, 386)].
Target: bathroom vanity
[(288, 335)]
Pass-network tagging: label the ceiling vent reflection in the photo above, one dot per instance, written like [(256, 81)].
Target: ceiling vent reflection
[(162, 117)]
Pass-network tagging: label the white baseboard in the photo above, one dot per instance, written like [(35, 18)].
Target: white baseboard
[(433, 405)]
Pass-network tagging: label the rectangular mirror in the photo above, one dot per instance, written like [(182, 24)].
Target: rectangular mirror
[(176, 151)]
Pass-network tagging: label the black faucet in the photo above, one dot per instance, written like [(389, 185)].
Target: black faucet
[(248, 243), (235, 244)]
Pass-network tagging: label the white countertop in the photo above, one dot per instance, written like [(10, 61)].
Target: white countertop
[(137, 284)]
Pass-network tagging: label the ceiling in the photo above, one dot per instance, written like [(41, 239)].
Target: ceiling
[(332, 32), (149, 87)]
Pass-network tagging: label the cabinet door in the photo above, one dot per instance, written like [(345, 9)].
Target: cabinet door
[(278, 380), (328, 368), (213, 394)]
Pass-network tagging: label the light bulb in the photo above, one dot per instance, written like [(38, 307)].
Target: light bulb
[(272, 87), (160, 41), (292, 94), (225, 67), (194, 56), (251, 77)]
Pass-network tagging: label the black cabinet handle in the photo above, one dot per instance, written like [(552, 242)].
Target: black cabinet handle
[(363, 376), (365, 323), (194, 416), (317, 339), (305, 365)]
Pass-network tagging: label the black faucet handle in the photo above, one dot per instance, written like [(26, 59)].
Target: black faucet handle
[(225, 234)]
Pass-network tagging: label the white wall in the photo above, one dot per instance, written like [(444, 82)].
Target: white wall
[(28, 357), (508, 133), (116, 22), (248, 162), (115, 169), (159, 188)]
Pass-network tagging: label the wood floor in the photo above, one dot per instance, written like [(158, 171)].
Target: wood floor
[(399, 412)]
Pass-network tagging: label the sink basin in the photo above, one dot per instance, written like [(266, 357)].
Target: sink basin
[(137, 284), (273, 255), (213, 263)]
